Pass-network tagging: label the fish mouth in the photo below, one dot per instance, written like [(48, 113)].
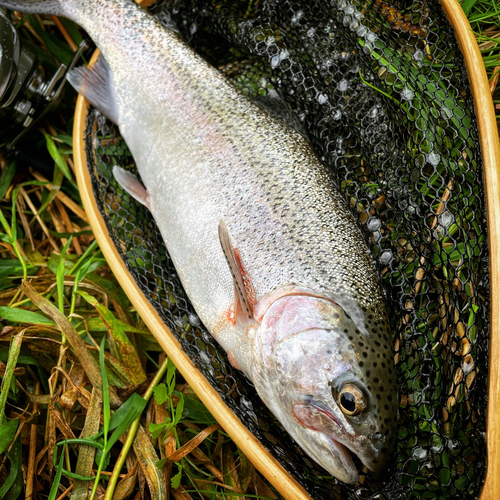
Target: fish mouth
[(350, 470), (340, 463), (342, 451)]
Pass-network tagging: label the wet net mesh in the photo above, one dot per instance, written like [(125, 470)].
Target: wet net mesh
[(382, 92)]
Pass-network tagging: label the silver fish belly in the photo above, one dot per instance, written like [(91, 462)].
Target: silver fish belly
[(299, 307)]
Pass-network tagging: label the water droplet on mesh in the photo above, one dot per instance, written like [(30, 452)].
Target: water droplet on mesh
[(349, 9), (337, 114), (354, 25), (311, 32), (193, 29), (373, 224), (419, 453), (205, 357), (362, 31), (342, 4), (468, 367), (342, 85), (438, 447), (327, 63), (296, 17), (446, 219), (371, 36), (433, 158), (373, 112), (407, 94), (321, 98), (453, 444), (194, 320), (283, 54), (419, 55), (246, 403), (385, 257)]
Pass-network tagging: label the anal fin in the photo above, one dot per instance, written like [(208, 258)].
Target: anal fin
[(131, 184), (96, 85)]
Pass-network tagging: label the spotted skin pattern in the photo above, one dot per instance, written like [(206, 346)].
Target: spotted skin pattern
[(206, 153)]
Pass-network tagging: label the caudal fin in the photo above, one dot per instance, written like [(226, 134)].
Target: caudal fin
[(55, 7)]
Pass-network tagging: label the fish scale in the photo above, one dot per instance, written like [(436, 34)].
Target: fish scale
[(207, 154)]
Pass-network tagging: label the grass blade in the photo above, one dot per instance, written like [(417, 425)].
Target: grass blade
[(13, 485), (15, 348), (23, 316), (87, 453), (105, 391), (60, 162), (60, 276), (57, 478), (7, 434), (6, 178)]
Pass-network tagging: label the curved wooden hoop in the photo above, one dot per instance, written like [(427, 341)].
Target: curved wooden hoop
[(244, 439), (490, 149)]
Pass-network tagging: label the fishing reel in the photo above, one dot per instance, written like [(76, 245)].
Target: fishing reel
[(25, 93)]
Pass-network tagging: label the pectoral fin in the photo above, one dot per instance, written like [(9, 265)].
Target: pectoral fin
[(243, 305), (131, 184)]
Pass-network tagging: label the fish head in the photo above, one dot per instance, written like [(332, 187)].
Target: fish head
[(327, 383)]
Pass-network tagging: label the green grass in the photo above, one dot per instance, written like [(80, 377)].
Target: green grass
[(484, 17)]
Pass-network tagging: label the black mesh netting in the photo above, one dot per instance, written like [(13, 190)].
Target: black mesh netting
[(381, 91)]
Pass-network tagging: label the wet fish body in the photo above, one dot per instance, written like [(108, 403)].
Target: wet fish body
[(265, 247)]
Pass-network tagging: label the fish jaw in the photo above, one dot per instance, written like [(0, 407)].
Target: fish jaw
[(305, 355), (343, 439), (329, 452)]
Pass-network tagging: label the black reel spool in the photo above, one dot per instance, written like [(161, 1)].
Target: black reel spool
[(382, 92), (25, 94)]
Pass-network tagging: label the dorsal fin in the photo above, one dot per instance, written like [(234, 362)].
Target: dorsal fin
[(96, 84), (239, 283)]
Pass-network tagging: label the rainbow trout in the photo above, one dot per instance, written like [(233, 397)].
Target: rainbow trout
[(264, 244)]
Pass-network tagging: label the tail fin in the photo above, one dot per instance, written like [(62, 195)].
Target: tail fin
[(55, 7)]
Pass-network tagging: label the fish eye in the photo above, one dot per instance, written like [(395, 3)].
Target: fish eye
[(351, 400)]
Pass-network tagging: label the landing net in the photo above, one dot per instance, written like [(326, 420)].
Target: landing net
[(382, 93)]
